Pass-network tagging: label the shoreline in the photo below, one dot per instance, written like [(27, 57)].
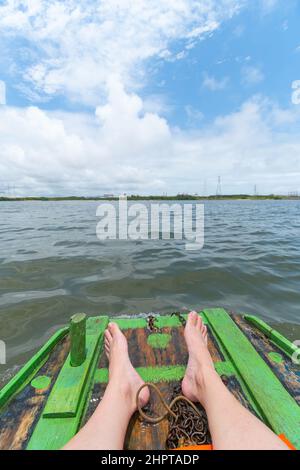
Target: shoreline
[(183, 197)]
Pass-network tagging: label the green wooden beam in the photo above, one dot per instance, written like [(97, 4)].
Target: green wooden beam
[(278, 407), (161, 321), (67, 391), (277, 338), (164, 373), (260, 324), (130, 323), (78, 339), (30, 368), (63, 412), (225, 368)]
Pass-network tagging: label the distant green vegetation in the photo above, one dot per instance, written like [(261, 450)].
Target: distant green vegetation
[(136, 197)]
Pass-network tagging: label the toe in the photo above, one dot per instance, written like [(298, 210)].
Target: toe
[(108, 336), (113, 329), (201, 324), (192, 318)]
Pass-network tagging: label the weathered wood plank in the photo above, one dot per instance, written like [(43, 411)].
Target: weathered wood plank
[(18, 418), (143, 355), (145, 436), (277, 406), (67, 391), (164, 373), (78, 339), (54, 433), (283, 367), (20, 380), (277, 338)]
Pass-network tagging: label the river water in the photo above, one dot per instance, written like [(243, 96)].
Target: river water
[(53, 265)]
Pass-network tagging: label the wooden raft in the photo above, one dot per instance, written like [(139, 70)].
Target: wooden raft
[(253, 361)]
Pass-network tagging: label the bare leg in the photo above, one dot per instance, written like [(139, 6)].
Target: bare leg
[(232, 426), (107, 427)]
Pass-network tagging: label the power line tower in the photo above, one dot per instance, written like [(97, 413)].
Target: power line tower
[(219, 187), (7, 189)]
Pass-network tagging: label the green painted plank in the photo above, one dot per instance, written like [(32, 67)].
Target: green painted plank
[(130, 323), (165, 373), (78, 339), (54, 433), (161, 321), (225, 368), (67, 391), (172, 321), (284, 344), (277, 338), (260, 324), (25, 374), (149, 374), (167, 321), (279, 409)]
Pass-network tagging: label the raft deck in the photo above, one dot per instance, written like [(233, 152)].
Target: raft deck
[(50, 398)]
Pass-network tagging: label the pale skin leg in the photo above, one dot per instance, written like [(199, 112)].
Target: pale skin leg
[(107, 427), (232, 426)]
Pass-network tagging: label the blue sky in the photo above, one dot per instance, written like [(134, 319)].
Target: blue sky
[(254, 39), (149, 97)]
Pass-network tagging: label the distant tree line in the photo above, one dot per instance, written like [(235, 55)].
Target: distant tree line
[(136, 197)]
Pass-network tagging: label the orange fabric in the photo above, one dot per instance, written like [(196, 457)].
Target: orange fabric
[(210, 447), (287, 442)]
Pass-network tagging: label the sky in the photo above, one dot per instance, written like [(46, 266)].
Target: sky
[(149, 97)]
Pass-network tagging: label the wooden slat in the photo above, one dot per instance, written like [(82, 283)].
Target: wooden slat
[(67, 391), (53, 433), (18, 419), (276, 404), (164, 373), (22, 377), (285, 369), (277, 338)]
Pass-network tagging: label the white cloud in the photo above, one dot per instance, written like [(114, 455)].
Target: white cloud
[(75, 47), (252, 145), (44, 152), (2, 92), (252, 75), (124, 148), (157, 104), (213, 84)]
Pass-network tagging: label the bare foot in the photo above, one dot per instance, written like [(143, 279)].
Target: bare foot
[(200, 361), (121, 371)]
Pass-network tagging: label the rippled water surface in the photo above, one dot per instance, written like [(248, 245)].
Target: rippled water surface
[(52, 265)]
